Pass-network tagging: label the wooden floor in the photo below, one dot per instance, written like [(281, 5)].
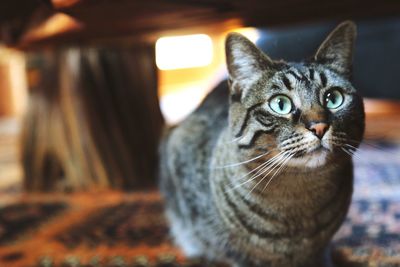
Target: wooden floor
[(383, 123)]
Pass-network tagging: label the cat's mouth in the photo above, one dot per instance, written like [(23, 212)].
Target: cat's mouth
[(312, 156), (317, 149), (315, 157), (310, 151)]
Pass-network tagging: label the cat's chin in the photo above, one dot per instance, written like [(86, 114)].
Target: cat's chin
[(314, 159)]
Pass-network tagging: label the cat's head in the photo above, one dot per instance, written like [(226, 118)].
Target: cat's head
[(309, 112)]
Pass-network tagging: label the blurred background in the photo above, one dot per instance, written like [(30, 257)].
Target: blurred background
[(86, 87)]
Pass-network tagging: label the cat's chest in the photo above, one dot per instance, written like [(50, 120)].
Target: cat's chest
[(291, 204), (308, 195), (289, 221)]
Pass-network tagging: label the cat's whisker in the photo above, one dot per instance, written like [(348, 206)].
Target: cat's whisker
[(351, 146), (248, 180), (273, 166), (344, 142), (253, 170), (353, 152), (266, 164), (348, 140), (276, 171), (286, 160), (355, 142), (243, 162), (263, 170), (235, 140), (295, 138), (354, 149), (348, 152), (282, 161), (264, 167)]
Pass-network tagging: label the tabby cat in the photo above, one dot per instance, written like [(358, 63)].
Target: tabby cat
[(261, 174)]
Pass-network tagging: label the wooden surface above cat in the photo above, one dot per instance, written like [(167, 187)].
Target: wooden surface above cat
[(34, 23)]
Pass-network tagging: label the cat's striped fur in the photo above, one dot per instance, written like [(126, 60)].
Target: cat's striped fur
[(248, 186)]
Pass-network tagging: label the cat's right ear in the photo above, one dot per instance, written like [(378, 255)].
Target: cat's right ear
[(337, 50), (244, 59)]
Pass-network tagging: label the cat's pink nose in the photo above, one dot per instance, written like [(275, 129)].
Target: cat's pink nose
[(319, 129)]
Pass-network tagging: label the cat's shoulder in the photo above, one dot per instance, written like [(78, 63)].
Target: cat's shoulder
[(217, 98)]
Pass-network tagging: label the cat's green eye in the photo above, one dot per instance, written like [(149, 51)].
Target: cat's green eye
[(333, 99), (281, 104)]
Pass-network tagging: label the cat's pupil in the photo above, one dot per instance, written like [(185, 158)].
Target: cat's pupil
[(281, 104), (331, 97)]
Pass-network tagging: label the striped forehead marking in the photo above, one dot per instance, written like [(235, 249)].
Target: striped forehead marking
[(293, 76)]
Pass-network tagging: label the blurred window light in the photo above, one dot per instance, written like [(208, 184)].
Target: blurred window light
[(251, 33), (186, 51)]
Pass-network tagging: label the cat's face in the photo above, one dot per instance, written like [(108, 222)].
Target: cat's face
[(305, 114)]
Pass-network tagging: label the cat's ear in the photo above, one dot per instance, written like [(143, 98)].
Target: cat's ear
[(243, 58), (337, 49)]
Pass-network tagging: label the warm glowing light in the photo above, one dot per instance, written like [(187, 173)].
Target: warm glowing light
[(183, 90), (56, 24), (187, 51), (251, 33)]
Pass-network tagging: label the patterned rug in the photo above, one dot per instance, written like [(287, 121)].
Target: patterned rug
[(118, 229), (370, 236)]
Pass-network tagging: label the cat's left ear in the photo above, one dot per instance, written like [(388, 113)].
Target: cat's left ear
[(337, 49)]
